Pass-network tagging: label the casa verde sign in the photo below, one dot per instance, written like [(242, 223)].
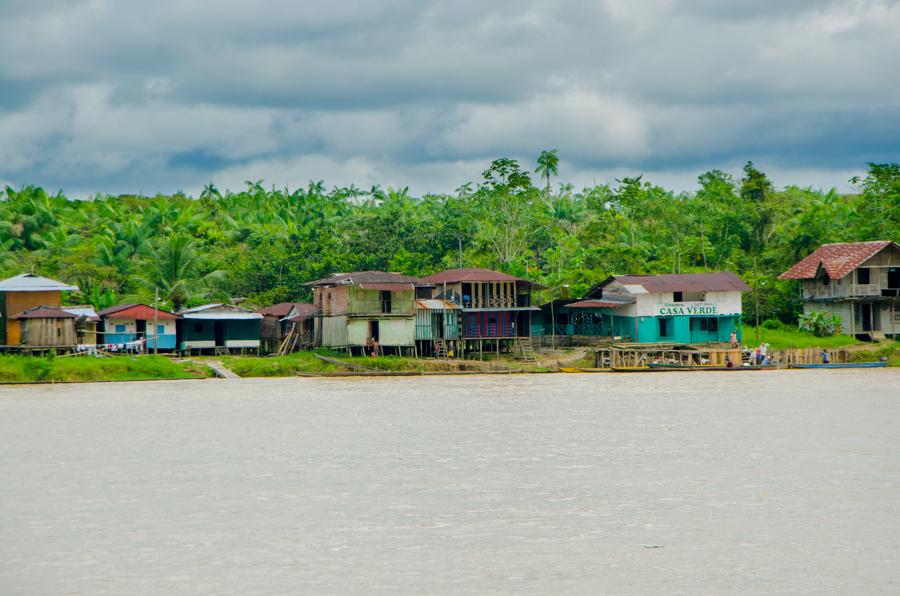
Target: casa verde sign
[(694, 309)]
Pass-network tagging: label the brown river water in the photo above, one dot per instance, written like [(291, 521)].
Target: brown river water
[(684, 483)]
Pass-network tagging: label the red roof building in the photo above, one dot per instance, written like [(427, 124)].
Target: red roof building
[(857, 281)]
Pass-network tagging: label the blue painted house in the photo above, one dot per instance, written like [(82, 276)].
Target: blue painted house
[(676, 308), (131, 322)]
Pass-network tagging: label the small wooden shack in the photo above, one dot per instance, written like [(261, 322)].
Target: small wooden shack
[(217, 327), (85, 323), (279, 320), (42, 327), (23, 292)]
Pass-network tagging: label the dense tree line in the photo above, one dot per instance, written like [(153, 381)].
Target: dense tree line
[(262, 243)]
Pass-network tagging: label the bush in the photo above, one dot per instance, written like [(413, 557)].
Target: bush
[(772, 324), (821, 323)]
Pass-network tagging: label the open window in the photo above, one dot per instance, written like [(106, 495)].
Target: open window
[(863, 276)]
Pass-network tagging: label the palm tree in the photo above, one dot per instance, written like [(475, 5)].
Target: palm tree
[(173, 267), (210, 191), (548, 165)]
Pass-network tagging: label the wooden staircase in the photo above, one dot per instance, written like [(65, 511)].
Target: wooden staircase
[(526, 349), (440, 348)]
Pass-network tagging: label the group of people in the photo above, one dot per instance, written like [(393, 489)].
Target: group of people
[(371, 347)]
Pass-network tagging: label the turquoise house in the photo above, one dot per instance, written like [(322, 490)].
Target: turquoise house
[(677, 308)]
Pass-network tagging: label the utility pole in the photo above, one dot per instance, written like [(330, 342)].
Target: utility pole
[(156, 321), (756, 297), (459, 239)]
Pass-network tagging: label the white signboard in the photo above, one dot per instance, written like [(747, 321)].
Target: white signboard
[(685, 309)]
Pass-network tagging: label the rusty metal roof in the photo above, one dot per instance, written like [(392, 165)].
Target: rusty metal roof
[(595, 304), (282, 309), (44, 312), (718, 281), (362, 277), (141, 312), (474, 274), (387, 287), (435, 304), (837, 259)]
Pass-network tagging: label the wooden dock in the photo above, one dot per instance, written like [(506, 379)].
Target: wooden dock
[(220, 371)]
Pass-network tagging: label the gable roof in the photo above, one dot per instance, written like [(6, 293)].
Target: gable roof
[(83, 310), (224, 312), (282, 309), (141, 312), (838, 259), (363, 277), (29, 282), (452, 276), (301, 310), (44, 312), (718, 281)]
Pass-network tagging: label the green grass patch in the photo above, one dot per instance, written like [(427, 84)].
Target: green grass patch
[(277, 366), (16, 368), (890, 351), (786, 337)]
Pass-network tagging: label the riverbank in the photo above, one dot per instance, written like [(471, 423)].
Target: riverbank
[(38, 369), (41, 369)]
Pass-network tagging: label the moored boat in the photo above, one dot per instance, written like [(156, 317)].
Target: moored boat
[(879, 364), (710, 367)]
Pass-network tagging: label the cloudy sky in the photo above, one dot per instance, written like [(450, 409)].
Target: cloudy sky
[(116, 96)]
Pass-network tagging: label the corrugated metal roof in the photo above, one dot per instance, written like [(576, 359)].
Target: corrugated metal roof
[(361, 277), (44, 312), (595, 304), (719, 281), (87, 311), (282, 309), (220, 312), (29, 282), (474, 274), (837, 259), (141, 312), (435, 304)]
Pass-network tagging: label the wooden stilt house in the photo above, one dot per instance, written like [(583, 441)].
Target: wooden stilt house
[(219, 327), (85, 324), (495, 307), (283, 319), (42, 327), (24, 292), (126, 323)]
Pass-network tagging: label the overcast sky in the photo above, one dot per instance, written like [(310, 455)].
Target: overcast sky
[(116, 96)]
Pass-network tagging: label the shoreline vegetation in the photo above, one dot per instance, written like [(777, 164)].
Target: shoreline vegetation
[(50, 369)]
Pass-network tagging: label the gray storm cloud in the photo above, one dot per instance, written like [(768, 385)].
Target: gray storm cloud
[(118, 96)]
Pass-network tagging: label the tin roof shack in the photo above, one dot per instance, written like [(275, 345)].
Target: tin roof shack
[(86, 322), (858, 281), (437, 326), (680, 308), (23, 292), (353, 309), (42, 327), (495, 307), (218, 327), (294, 319), (126, 323)]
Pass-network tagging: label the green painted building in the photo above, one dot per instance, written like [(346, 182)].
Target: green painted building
[(214, 326), (677, 308)]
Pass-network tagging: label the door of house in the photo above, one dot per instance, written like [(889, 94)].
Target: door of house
[(220, 333), (437, 325), (373, 330), (141, 328), (866, 308)]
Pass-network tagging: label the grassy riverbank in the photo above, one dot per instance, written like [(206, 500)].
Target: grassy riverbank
[(785, 337), (20, 369), (307, 362)]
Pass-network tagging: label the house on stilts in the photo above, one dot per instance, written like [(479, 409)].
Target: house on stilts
[(128, 323), (495, 309), (365, 310), (218, 328), (857, 281), (25, 293)]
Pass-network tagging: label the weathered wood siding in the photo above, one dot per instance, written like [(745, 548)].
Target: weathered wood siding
[(48, 332), (12, 303)]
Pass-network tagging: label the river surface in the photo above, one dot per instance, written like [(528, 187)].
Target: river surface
[(682, 483)]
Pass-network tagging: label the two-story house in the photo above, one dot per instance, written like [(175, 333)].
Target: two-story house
[(858, 281), (495, 307), (357, 310)]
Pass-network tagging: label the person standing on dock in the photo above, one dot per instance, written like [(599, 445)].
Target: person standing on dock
[(733, 338), (826, 359)]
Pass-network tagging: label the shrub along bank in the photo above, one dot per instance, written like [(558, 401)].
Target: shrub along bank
[(20, 369)]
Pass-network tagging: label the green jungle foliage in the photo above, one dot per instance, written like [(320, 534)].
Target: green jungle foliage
[(262, 243)]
